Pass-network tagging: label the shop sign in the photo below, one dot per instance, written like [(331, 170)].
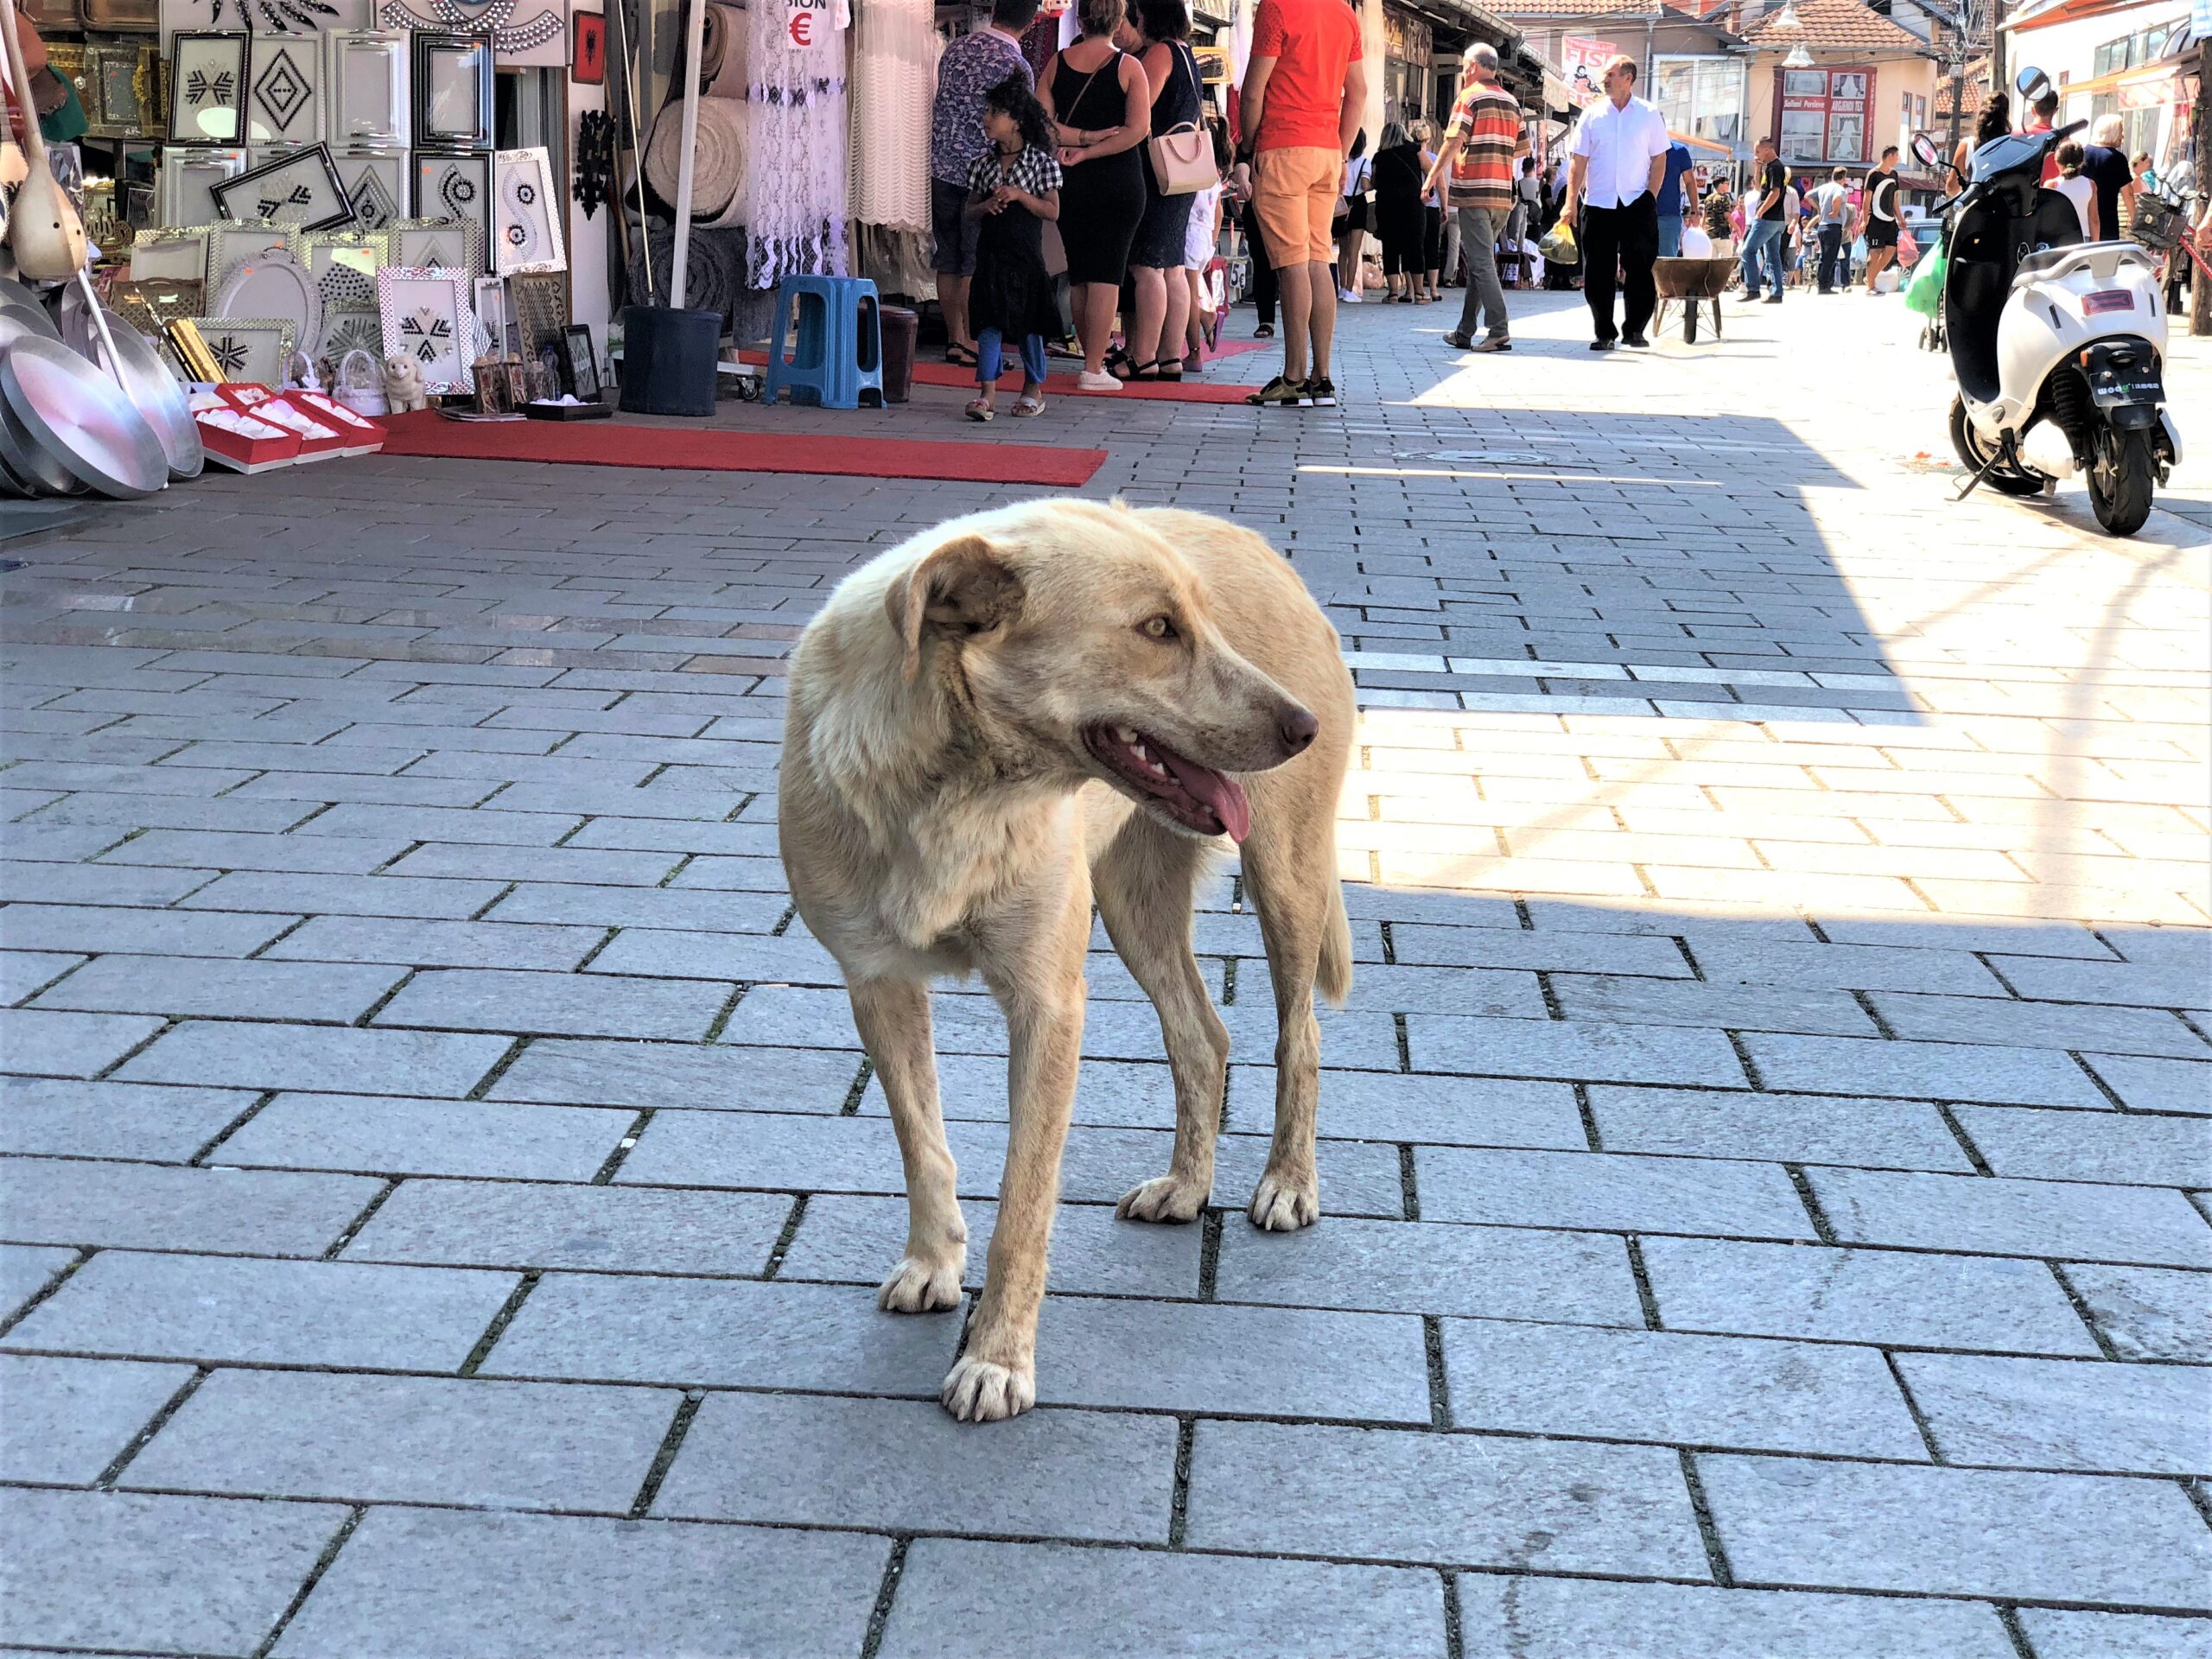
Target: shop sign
[(811, 21), (1583, 60)]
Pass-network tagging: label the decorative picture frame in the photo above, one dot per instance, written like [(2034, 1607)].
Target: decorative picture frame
[(148, 305), (231, 245), (365, 88), (266, 18), (457, 187), (453, 243), (350, 329), (525, 213), (451, 75), (284, 104), (376, 183), (189, 176), (208, 88), (588, 48), (176, 253), (252, 351), (122, 89), (343, 265), (425, 314), (539, 302), (301, 189), (580, 363)]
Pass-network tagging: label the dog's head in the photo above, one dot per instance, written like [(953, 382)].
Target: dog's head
[(1081, 644)]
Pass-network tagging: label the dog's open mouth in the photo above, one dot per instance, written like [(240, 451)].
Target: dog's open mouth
[(1197, 797)]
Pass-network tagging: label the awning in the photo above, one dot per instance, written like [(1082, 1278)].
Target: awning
[(2154, 83), (1695, 142)]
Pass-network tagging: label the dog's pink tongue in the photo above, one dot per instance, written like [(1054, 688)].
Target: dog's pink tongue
[(1218, 790)]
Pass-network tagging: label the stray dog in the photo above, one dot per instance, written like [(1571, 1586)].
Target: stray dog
[(993, 724)]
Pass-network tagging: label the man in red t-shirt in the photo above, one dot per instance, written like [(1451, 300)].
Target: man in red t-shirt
[(1303, 92)]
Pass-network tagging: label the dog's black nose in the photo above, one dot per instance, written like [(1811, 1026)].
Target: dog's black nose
[(1298, 729)]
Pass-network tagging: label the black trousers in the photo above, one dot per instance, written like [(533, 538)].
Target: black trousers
[(1264, 278), (1627, 236)]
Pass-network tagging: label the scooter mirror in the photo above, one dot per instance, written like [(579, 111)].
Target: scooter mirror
[(2032, 85), (1925, 150)]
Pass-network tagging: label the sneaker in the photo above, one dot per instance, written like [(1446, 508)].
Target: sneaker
[(1636, 341), (1348, 297), (1494, 343), (1321, 391), (1774, 299), (1089, 382), (1458, 341), (1280, 393)]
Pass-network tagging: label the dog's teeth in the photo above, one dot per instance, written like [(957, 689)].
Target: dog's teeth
[(1139, 750), (1124, 735)]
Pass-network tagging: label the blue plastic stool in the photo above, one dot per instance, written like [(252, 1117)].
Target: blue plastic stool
[(837, 359)]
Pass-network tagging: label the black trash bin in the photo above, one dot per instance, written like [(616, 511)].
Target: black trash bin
[(668, 360)]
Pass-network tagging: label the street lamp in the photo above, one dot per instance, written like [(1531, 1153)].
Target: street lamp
[(1799, 57)]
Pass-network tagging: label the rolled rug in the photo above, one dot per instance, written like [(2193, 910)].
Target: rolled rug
[(718, 167), (725, 61)]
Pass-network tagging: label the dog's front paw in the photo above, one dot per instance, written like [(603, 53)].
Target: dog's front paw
[(1165, 1198), (978, 1391), (1283, 1204), (919, 1286)]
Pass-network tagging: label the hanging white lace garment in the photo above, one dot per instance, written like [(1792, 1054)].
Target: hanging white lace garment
[(797, 161), (896, 48)]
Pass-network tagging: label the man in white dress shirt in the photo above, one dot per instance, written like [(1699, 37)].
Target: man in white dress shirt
[(1620, 159)]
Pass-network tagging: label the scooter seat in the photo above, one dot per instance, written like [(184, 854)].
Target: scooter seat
[(2102, 260)]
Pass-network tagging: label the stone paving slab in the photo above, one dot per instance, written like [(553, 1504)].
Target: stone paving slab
[(1772, 1096)]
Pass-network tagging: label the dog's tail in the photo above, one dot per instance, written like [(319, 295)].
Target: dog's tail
[(1334, 978)]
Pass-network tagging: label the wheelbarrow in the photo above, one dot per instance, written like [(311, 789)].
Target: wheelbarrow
[(1689, 281)]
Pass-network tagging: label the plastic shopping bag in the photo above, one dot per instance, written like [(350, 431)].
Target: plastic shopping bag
[(1924, 293), (1558, 244)]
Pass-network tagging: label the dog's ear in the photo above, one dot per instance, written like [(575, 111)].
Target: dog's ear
[(963, 587)]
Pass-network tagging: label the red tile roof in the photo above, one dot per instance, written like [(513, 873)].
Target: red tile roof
[(1834, 26)]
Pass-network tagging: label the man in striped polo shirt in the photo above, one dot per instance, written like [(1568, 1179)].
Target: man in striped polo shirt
[(1482, 148)]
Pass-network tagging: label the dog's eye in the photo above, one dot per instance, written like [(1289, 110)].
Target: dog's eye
[(1158, 627)]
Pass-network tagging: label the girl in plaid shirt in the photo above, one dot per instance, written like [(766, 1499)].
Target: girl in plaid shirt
[(1014, 188)]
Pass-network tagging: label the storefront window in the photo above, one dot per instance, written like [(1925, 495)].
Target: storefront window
[(1702, 97), (1824, 115)]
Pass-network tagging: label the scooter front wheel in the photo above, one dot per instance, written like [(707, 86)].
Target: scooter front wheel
[(2003, 478), (2121, 479)]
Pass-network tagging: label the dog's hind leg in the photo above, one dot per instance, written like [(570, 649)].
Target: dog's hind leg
[(1292, 880), (1144, 881), (892, 1016)]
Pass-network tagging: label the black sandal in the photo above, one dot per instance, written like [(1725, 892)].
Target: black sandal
[(962, 357), (1265, 331)]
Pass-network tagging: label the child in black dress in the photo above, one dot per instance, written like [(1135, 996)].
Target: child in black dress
[(1014, 188)]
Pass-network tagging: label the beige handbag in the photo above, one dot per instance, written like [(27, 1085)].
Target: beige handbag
[(1182, 157)]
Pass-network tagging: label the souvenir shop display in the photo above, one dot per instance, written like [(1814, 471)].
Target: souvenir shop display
[(343, 265), (376, 182), (250, 351), (148, 306), (230, 246), (188, 182), (366, 86), (124, 81), (273, 285), (446, 242), (427, 318), (526, 213), (300, 189), (260, 17), (207, 89), (523, 31), (455, 187), (173, 253)]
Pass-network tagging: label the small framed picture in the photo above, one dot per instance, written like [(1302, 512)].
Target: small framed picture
[(376, 183), (453, 90), (588, 48), (207, 89), (173, 253), (582, 362), (283, 104), (525, 213), (189, 175), (365, 87), (248, 351), (426, 316), (447, 244), (343, 265), (300, 189), (455, 187)]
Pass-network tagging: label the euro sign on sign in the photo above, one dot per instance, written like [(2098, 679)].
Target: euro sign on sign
[(812, 20)]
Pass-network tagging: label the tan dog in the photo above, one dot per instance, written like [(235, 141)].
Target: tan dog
[(999, 721)]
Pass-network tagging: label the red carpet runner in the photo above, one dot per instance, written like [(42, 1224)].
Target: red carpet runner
[(616, 444)]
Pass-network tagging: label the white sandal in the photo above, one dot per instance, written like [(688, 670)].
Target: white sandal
[(1025, 406), (980, 410)]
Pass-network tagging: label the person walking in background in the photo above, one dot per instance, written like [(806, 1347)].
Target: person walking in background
[(970, 67), (1719, 205), (1101, 103), (2103, 163), (1832, 211), (1677, 197), (1431, 216), (1482, 148), (1994, 121), (1351, 222), (2077, 189), (1763, 223), (1303, 90), (1877, 217), (1163, 294), (1398, 186), (1013, 189), (1524, 224), (1612, 203), (1201, 245)]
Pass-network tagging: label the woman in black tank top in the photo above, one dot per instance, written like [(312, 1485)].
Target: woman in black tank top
[(1099, 96), (1163, 297)]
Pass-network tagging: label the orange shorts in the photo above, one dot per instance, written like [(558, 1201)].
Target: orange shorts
[(1295, 193)]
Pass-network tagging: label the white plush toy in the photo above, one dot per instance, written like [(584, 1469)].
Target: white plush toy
[(402, 383)]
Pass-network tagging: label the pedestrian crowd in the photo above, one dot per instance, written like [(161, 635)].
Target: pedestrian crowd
[(1098, 190)]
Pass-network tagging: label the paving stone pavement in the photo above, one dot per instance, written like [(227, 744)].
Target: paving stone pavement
[(1767, 1171)]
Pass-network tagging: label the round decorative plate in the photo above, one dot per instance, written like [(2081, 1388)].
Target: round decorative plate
[(273, 285)]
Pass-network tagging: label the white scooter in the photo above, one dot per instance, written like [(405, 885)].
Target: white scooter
[(2057, 344)]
